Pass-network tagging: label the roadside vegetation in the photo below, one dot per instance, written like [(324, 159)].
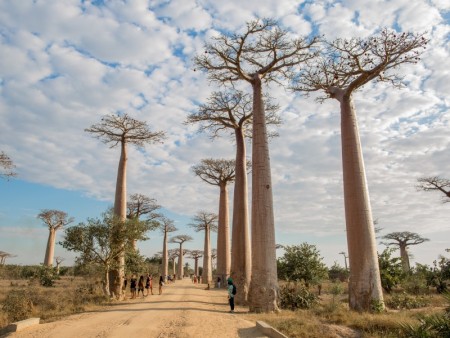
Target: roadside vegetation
[(313, 298)]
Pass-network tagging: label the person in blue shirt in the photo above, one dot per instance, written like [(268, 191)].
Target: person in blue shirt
[(230, 294)]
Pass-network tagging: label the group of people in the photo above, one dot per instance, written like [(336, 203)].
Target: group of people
[(137, 286)]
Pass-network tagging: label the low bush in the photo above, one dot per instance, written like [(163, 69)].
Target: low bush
[(17, 305), (405, 301), (296, 296)]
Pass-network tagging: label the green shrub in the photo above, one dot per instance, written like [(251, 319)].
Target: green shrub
[(17, 305), (416, 284), (404, 301), (47, 275), (296, 296)]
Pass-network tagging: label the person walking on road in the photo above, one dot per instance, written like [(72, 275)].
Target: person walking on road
[(161, 283), (231, 293)]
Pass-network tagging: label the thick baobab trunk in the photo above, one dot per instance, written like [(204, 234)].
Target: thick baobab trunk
[(404, 256), (263, 292), (207, 266), (196, 266), (49, 252), (165, 257), (365, 283), (240, 246), (120, 210), (223, 235), (174, 266), (180, 263)]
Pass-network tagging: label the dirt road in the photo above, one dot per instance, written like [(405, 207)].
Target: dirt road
[(183, 310)]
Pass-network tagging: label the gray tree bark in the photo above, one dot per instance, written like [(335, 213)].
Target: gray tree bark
[(180, 263), (241, 263), (165, 257), (223, 235), (120, 210), (207, 266), (263, 291), (364, 282), (50, 251), (405, 257)]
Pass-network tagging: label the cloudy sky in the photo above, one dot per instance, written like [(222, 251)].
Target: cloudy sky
[(64, 64)]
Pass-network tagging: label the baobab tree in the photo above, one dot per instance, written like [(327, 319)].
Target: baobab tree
[(403, 240), (344, 66), (166, 226), (207, 222), (173, 254), (195, 255), (6, 166), (435, 183), (58, 261), (262, 53), (54, 220), (3, 256), (180, 239), (220, 172), (123, 130), (231, 111), (140, 205), (343, 253)]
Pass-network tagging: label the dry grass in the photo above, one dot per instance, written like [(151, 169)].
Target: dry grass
[(332, 318), (69, 295)]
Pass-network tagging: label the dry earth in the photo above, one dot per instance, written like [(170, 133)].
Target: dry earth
[(183, 310)]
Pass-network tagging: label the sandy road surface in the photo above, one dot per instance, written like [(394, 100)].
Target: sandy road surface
[(183, 310)]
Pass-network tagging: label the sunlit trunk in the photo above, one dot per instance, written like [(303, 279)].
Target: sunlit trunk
[(405, 257), (180, 263), (240, 242), (165, 257), (120, 210), (50, 251), (207, 270), (263, 291), (196, 266), (364, 283), (223, 235)]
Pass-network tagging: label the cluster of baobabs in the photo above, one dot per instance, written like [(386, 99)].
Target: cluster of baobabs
[(265, 53)]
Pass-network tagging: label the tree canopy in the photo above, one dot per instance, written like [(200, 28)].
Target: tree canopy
[(6, 166), (434, 183), (118, 128), (302, 263)]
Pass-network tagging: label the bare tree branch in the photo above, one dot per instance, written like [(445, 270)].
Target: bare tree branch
[(435, 183)]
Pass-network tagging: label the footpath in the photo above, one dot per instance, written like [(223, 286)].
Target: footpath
[(183, 310)]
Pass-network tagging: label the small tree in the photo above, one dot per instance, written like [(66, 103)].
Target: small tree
[(58, 261), (3, 256), (123, 130), (435, 183), (180, 239), (344, 66), (99, 241), (54, 220), (403, 240), (6, 166), (337, 272), (207, 222), (302, 263), (140, 205), (391, 270)]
